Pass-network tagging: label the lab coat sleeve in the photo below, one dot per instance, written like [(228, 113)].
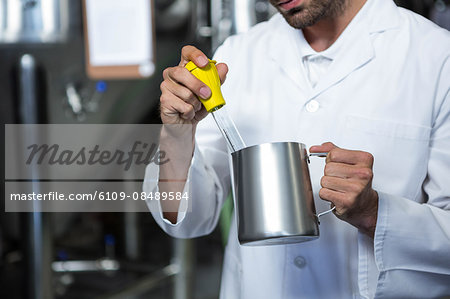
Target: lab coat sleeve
[(198, 215), (208, 183), (412, 240)]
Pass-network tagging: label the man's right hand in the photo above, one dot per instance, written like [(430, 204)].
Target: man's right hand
[(180, 89), (180, 106)]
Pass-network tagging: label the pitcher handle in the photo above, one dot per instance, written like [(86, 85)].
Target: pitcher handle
[(326, 212), (322, 155)]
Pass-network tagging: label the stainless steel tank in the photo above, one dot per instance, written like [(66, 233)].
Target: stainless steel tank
[(33, 21)]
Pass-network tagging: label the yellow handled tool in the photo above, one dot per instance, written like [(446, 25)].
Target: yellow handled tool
[(210, 77)]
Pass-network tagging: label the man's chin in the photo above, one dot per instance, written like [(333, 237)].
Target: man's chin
[(298, 21), (310, 12)]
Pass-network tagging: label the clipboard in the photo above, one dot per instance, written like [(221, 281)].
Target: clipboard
[(119, 38)]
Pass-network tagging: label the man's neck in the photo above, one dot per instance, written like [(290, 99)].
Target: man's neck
[(324, 33)]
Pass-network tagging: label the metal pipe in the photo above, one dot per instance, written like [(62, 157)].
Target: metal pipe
[(36, 225), (184, 258), (144, 284), (86, 266), (28, 90), (230, 17), (132, 236), (244, 15)]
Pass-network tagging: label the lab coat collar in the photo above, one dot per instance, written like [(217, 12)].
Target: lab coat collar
[(356, 48), (383, 15)]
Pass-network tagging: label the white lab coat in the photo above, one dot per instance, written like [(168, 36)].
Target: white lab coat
[(387, 92)]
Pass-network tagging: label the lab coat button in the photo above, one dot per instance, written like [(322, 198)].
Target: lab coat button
[(300, 262), (312, 106)]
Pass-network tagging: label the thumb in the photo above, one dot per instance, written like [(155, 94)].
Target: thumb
[(222, 69), (324, 148)]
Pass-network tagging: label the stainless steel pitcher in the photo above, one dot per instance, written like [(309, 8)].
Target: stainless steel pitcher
[(274, 198)]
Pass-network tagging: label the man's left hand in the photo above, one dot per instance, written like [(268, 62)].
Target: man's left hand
[(347, 183)]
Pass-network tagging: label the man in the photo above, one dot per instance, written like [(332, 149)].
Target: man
[(369, 82)]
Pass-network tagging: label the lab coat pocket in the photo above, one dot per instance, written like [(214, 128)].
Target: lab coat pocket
[(400, 151)]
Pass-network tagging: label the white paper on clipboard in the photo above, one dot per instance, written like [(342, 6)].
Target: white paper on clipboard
[(120, 33)]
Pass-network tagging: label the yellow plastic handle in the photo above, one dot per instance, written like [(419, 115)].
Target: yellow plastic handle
[(210, 77)]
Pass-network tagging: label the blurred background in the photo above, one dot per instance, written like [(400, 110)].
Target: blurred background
[(44, 79)]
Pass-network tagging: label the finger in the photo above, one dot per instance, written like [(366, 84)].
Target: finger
[(340, 184), (347, 171), (199, 115), (340, 170), (337, 198), (191, 53), (173, 106), (350, 157), (323, 148), (181, 92), (182, 76), (222, 69)]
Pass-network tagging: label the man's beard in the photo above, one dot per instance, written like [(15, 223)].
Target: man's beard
[(308, 14)]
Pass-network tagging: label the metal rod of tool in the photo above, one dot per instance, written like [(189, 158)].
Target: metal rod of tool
[(228, 129)]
